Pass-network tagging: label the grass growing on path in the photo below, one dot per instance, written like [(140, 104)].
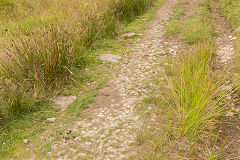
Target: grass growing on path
[(188, 103), (186, 110), (198, 27)]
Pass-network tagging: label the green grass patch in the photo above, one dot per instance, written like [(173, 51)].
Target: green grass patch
[(198, 27), (14, 130), (231, 9)]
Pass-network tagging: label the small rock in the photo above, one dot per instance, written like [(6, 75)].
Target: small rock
[(63, 101), (129, 35), (238, 29), (25, 141), (235, 74), (226, 88), (54, 147), (100, 115), (49, 153), (229, 98), (88, 143), (51, 120), (110, 58), (230, 114), (166, 64)]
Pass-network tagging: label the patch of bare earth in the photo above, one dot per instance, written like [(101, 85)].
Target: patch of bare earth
[(230, 124)]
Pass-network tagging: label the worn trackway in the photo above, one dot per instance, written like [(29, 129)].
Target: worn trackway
[(111, 131)]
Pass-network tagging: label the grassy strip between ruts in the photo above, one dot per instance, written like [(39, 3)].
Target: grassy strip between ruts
[(198, 27), (31, 125), (186, 106)]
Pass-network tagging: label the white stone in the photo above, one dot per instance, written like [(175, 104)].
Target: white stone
[(110, 58), (54, 147), (49, 153), (129, 35), (51, 120), (238, 29), (25, 141), (230, 114), (63, 101), (229, 98)]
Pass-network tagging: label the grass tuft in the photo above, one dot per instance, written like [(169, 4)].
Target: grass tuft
[(197, 93)]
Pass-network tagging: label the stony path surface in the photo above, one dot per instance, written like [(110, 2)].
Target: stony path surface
[(111, 131), (230, 126), (111, 125), (224, 39)]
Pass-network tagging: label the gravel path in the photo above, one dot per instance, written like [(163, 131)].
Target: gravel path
[(111, 124), (111, 131)]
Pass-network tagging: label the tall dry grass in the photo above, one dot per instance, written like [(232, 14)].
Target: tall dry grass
[(39, 54)]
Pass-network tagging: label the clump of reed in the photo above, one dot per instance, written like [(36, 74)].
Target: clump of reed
[(198, 94)]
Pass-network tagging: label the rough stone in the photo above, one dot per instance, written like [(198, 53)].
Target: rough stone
[(230, 114), (63, 101), (110, 58), (129, 35), (25, 141), (51, 120)]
